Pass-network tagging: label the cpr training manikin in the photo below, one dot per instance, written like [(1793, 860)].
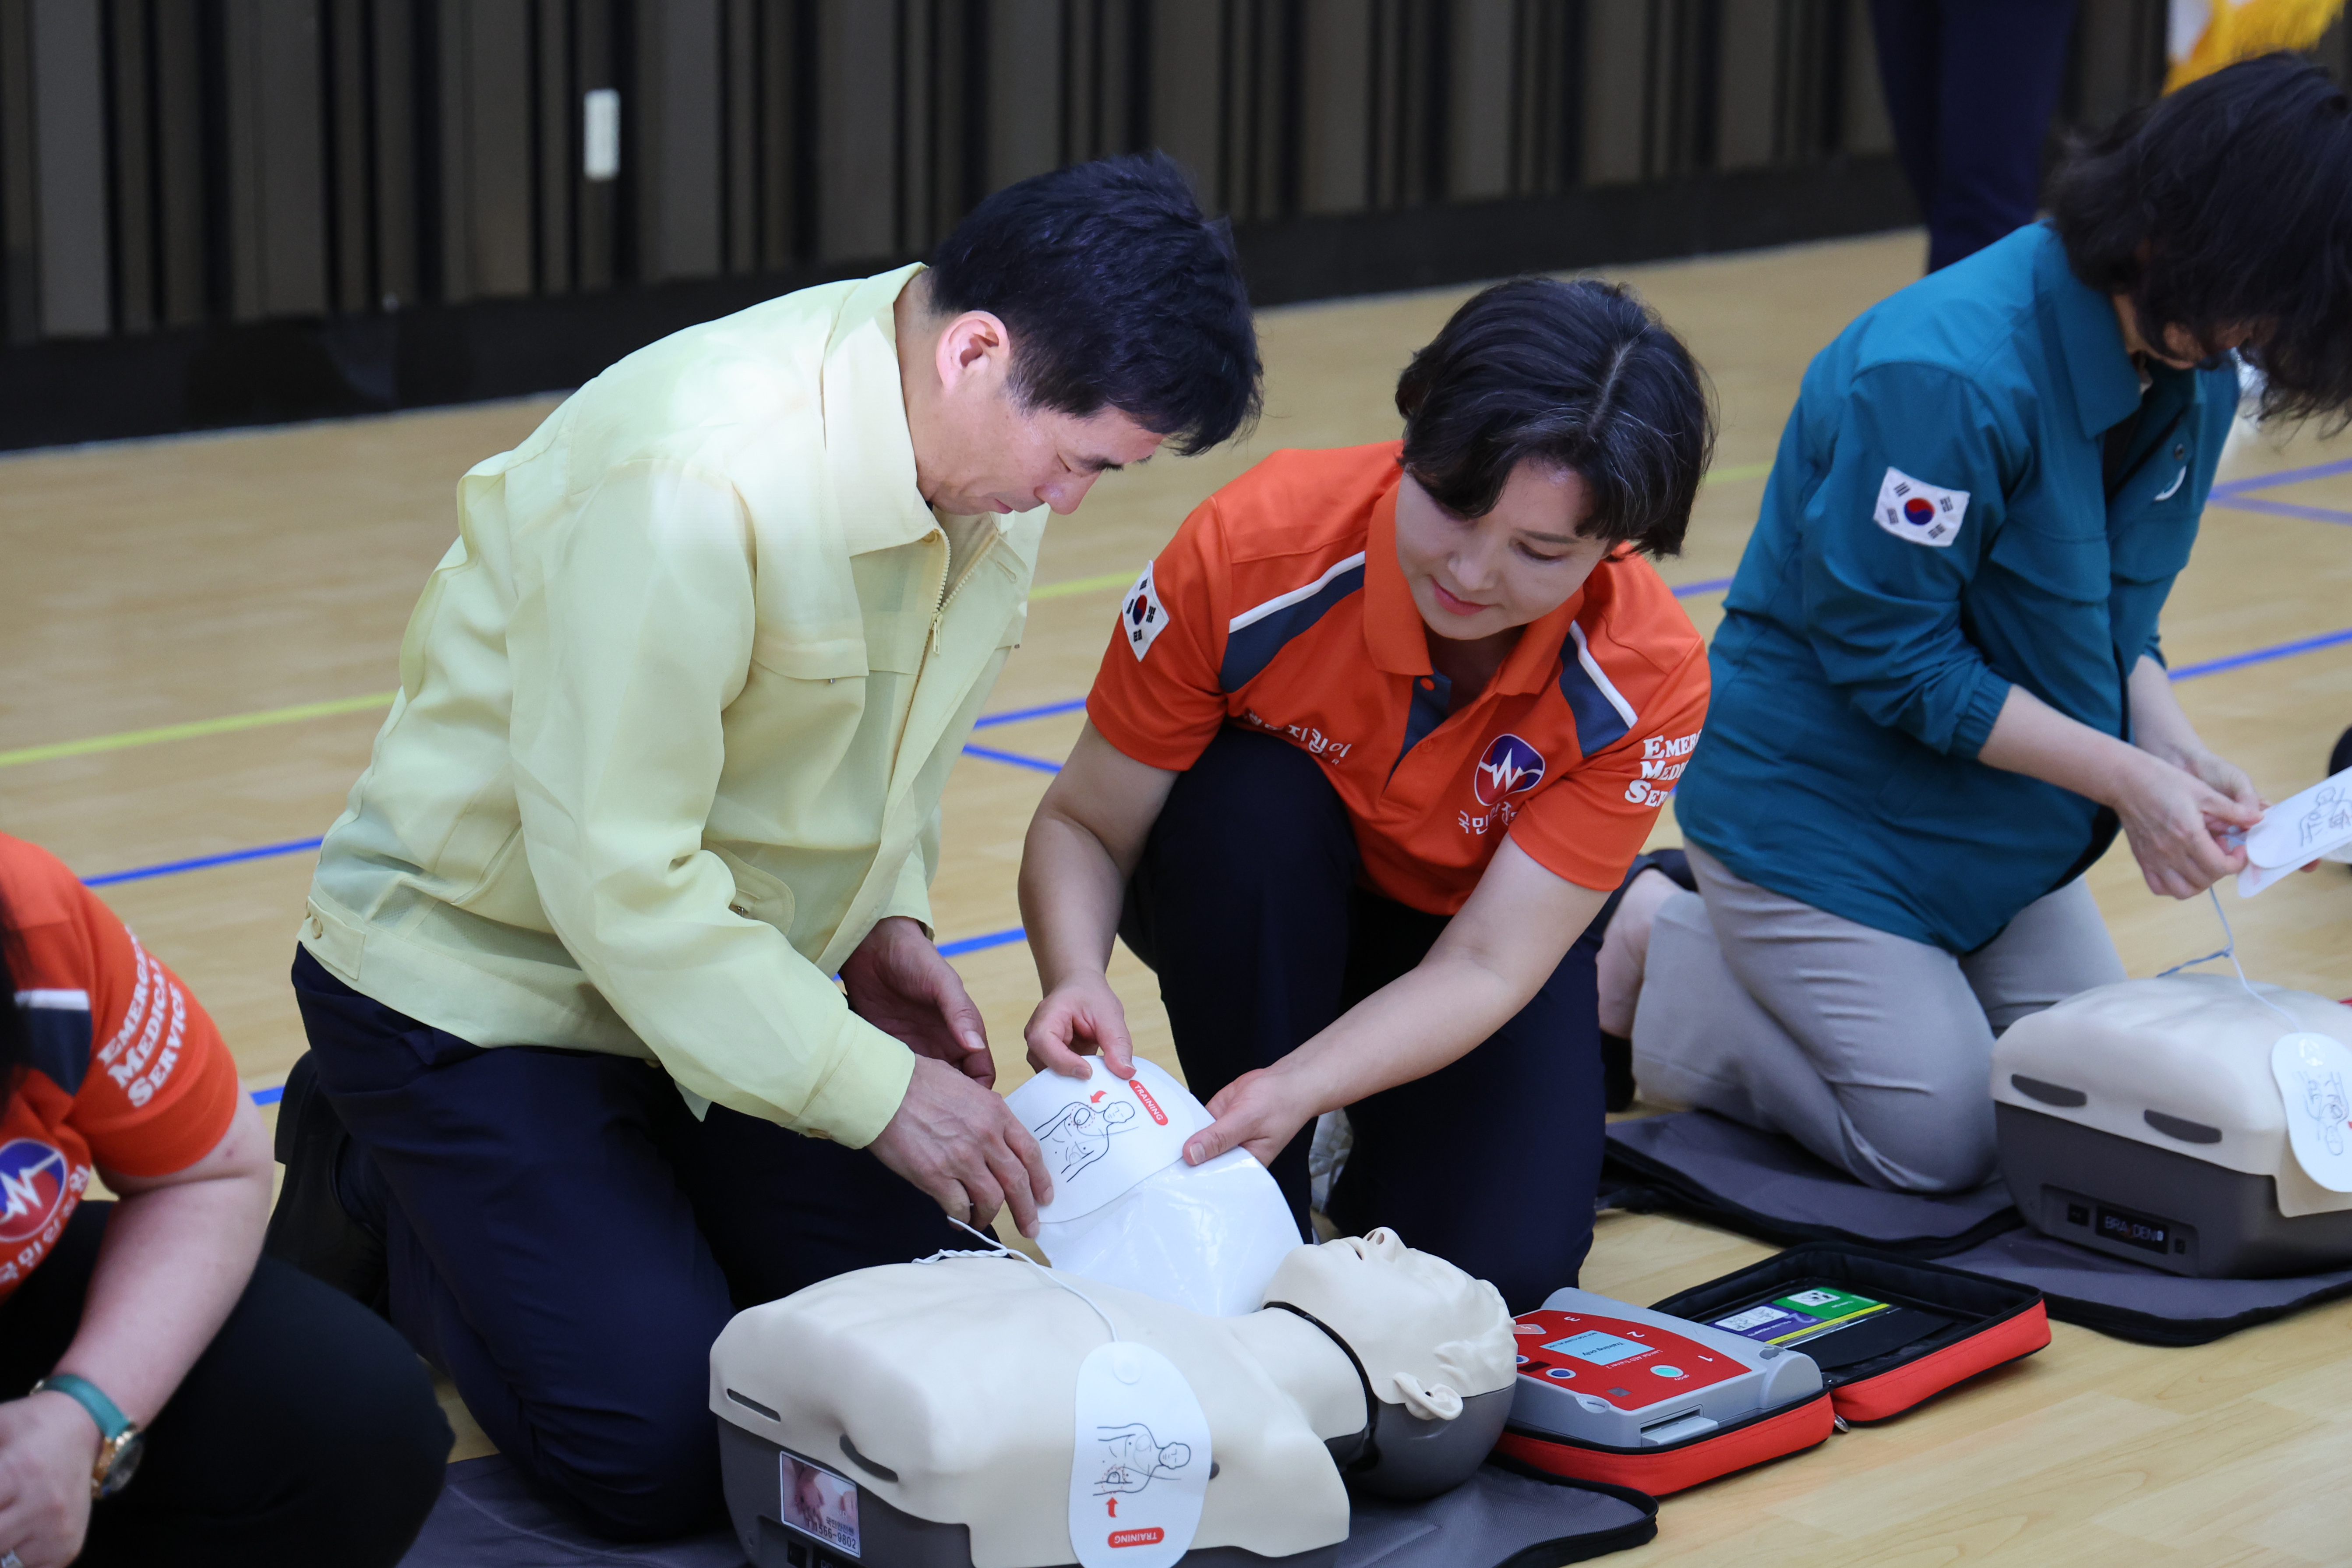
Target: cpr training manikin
[(976, 1409)]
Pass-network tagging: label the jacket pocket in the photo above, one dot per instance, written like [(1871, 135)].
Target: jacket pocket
[(758, 895), (2061, 565), (2153, 547)]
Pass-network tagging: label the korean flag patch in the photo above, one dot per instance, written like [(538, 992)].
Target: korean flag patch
[(1142, 617), (1921, 513)]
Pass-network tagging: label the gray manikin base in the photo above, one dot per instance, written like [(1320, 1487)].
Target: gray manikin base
[(2215, 1223)]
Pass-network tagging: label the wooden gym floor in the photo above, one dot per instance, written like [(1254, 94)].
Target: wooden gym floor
[(199, 636)]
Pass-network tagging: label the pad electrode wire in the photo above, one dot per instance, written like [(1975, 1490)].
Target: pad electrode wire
[(2229, 951), (998, 1250)]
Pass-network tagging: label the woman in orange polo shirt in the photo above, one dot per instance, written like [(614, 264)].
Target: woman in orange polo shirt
[(1380, 731), (162, 1400)]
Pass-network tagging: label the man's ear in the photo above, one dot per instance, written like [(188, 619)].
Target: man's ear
[(974, 345)]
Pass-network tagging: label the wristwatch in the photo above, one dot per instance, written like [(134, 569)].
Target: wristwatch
[(122, 1444)]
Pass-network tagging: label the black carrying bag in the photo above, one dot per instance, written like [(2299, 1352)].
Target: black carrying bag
[(1503, 1517), (1689, 1161)]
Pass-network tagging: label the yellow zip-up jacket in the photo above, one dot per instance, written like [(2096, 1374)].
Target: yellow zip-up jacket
[(676, 713)]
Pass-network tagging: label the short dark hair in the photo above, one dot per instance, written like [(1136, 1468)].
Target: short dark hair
[(2226, 205), (1117, 292), (1578, 375)]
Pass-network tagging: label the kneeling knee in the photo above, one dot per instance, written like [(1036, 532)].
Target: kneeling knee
[(672, 1489)]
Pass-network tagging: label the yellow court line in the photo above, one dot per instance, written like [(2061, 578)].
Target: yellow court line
[(1103, 583), (301, 710), (189, 731)]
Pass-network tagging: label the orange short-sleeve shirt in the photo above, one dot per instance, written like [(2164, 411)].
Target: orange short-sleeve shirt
[(1280, 605), (126, 1072)]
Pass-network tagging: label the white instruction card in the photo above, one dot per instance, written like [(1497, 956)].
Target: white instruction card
[(1103, 1134), (2314, 1079), (2315, 825), (1139, 1473)]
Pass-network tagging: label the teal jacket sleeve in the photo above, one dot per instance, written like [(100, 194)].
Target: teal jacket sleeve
[(1893, 536)]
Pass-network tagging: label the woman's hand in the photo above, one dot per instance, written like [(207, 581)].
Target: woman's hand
[(1261, 1111), (1079, 1018), (2174, 814), (48, 1445)]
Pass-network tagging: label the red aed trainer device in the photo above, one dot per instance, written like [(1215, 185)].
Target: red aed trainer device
[(1634, 1397), (1608, 1373)]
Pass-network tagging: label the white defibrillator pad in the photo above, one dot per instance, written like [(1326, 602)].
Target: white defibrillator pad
[(2314, 1079), (1103, 1134), (1139, 1471)]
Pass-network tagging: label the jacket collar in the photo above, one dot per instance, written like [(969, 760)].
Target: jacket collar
[(2090, 340), (1393, 631), (870, 453)]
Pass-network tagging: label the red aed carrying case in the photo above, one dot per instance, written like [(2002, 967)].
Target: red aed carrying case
[(1946, 1328), (1896, 1333)]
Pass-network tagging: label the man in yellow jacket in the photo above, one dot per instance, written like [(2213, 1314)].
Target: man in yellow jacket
[(676, 713)]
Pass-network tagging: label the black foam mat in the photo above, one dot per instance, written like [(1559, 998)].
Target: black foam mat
[(2133, 1301), (488, 1517), (1693, 1160)]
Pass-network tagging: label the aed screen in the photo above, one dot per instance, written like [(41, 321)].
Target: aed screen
[(1600, 1349), (2133, 1230)]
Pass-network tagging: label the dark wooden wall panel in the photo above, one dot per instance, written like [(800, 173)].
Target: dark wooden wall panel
[(360, 174), (74, 261), (858, 116)]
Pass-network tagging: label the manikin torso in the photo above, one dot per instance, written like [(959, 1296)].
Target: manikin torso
[(957, 1378)]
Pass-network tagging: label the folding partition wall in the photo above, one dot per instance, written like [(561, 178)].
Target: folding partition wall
[(222, 211)]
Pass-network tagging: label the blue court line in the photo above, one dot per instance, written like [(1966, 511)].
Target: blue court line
[(1018, 715), (269, 1096), (297, 846), (2281, 509), (975, 943), (1016, 758), (1712, 585), (174, 867), (2284, 477), (2262, 655)]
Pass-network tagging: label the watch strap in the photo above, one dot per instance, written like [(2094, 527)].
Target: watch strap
[(111, 1423)]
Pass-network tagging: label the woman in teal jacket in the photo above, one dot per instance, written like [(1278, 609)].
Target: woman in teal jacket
[(1938, 688)]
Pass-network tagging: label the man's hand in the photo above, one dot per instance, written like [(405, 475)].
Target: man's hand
[(1081, 1016), (48, 1445), (960, 1143), (1262, 1111), (898, 983)]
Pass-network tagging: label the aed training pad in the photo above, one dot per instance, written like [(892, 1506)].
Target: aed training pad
[(2131, 1300), (1693, 1161), (490, 1517)]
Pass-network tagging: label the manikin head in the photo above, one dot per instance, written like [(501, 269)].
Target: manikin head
[(1429, 1335), (1070, 325)]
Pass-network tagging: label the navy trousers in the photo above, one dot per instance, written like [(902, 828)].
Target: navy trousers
[(565, 1241), (1245, 905), (1970, 87)]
